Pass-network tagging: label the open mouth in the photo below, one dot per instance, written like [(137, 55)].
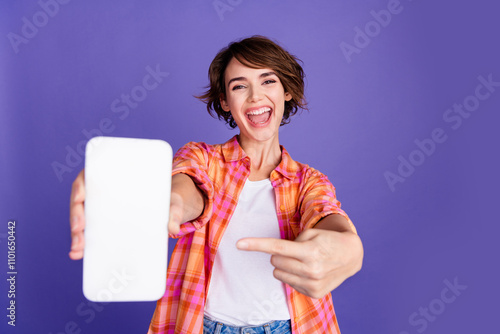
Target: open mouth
[(259, 116)]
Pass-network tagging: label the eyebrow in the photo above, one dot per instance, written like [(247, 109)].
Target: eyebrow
[(263, 75)]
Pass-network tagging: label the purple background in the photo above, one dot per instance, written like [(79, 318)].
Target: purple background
[(440, 224)]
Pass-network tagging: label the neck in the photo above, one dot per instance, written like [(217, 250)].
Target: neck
[(265, 156)]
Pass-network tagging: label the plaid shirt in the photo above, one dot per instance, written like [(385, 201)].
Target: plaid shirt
[(303, 197)]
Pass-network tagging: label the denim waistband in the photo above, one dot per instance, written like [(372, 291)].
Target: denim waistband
[(274, 327)]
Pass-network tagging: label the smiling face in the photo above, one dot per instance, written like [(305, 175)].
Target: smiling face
[(256, 99)]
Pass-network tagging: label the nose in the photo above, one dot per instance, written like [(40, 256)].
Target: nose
[(254, 94)]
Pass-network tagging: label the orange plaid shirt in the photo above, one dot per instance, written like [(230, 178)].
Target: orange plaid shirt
[(303, 197)]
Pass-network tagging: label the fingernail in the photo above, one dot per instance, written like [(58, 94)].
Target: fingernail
[(242, 244)]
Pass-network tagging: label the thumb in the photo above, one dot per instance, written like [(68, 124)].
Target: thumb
[(175, 217), (307, 235), (174, 224)]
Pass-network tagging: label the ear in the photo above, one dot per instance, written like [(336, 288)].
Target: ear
[(223, 103), (288, 96)]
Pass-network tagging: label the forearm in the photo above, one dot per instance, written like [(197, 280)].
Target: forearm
[(187, 200), (334, 222)]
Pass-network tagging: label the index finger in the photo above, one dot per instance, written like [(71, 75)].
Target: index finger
[(272, 246), (78, 188), (76, 209), (77, 216)]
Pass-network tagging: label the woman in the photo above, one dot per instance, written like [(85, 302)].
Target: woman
[(233, 205)]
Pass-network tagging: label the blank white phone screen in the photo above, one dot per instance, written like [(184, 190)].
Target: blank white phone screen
[(127, 201)]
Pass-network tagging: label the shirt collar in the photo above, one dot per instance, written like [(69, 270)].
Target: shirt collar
[(232, 151)]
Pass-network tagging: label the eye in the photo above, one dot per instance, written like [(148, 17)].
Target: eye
[(270, 81), (237, 87)]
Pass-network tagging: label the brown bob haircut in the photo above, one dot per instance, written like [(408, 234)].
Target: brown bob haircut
[(255, 52)]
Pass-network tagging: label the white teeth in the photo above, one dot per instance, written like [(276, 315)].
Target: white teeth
[(259, 111)]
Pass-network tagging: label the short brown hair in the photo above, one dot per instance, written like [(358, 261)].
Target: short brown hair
[(255, 52)]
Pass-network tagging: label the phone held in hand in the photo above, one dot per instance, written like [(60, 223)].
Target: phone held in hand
[(127, 186)]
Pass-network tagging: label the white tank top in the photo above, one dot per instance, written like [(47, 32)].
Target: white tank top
[(243, 290)]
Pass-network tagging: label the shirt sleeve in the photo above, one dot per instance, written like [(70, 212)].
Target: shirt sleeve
[(193, 160), (319, 200)]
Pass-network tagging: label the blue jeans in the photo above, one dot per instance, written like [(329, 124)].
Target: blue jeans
[(273, 327)]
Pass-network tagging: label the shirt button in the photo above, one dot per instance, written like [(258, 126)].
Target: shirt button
[(282, 207)]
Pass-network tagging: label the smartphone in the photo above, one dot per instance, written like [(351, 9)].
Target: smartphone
[(127, 201)]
